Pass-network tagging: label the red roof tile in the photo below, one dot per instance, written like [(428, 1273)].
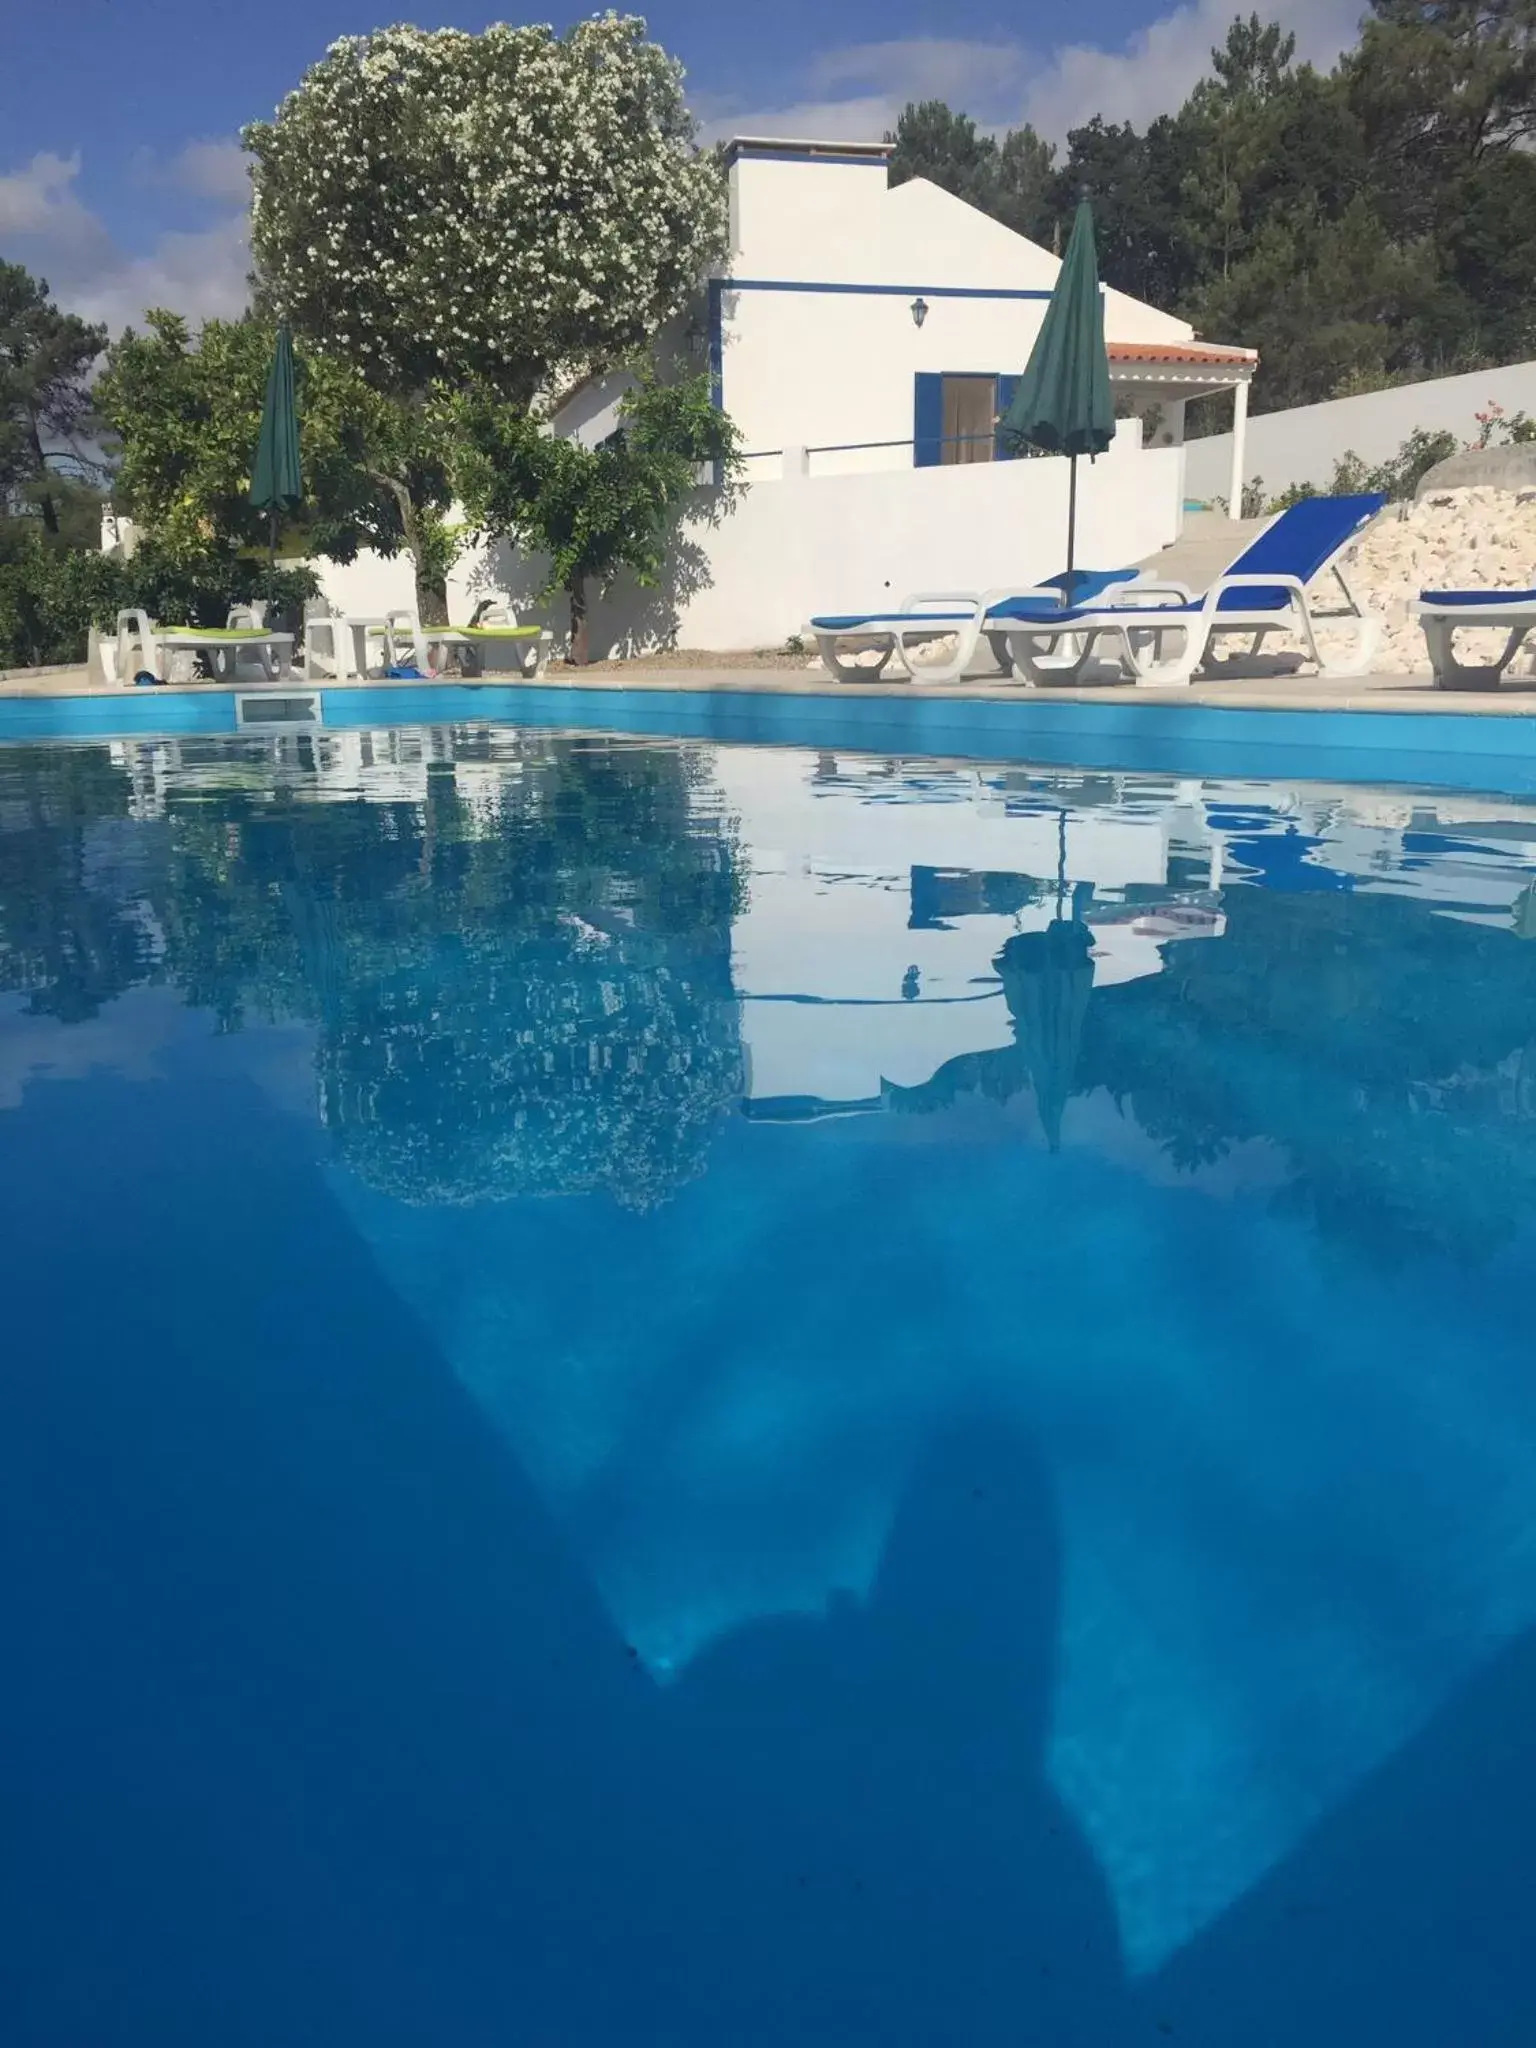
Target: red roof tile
[(1194, 352)]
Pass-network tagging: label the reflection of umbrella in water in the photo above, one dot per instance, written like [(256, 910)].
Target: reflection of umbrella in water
[(1046, 980), (1047, 977)]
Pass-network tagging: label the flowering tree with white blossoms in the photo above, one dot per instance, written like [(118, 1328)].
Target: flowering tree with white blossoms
[(511, 207)]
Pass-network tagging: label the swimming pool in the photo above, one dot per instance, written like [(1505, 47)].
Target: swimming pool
[(693, 1394)]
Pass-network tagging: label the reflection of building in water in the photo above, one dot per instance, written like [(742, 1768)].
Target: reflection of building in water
[(913, 876), (389, 765), (928, 875), (881, 891)]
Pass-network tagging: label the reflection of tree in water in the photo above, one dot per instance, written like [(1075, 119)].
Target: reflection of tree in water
[(70, 936), (516, 993), (1387, 1052), (1390, 1052), (531, 992), (529, 995)]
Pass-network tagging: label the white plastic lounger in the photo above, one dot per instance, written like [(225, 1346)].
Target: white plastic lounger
[(168, 652), (1512, 612), (968, 615), (494, 630), (1263, 592)]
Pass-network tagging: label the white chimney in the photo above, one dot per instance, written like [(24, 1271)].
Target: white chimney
[(802, 210)]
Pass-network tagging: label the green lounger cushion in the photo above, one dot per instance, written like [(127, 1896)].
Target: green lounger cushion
[(244, 633)]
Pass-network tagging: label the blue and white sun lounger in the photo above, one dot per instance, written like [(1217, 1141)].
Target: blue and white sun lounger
[(1264, 591), (967, 615), (1441, 611)]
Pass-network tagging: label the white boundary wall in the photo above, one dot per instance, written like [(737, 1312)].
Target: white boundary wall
[(1302, 445), (800, 545)]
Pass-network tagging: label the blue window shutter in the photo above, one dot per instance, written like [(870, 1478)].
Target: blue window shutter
[(927, 420), (1006, 387)]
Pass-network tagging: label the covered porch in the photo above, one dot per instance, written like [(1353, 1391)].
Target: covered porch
[(1156, 380)]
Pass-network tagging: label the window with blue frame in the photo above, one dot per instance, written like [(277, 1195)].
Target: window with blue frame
[(955, 414)]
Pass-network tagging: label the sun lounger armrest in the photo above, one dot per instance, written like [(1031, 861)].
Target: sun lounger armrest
[(1148, 593), (1274, 579), (1016, 593), (973, 598)]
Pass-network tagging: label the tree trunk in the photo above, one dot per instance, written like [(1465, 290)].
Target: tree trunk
[(431, 598), (431, 591), (45, 504), (581, 647)]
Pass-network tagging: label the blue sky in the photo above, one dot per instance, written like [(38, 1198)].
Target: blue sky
[(120, 178)]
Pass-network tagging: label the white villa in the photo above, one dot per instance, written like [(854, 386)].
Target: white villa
[(864, 339), (861, 326)]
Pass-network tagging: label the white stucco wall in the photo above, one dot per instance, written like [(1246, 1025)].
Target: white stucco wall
[(835, 364), (368, 586), (795, 547), (818, 370), (1303, 444)]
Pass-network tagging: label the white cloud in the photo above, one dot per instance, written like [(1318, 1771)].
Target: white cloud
[(969, 75), (46, 225), (863, 119), (1005, 83), (214, 168), (1153, 72)]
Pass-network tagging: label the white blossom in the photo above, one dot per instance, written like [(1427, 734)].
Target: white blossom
[(505, 204)]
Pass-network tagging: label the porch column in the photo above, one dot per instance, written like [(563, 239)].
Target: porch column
[(1239, 449)]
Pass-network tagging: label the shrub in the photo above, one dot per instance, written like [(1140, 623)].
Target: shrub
[(50, 596), (1401, 474)]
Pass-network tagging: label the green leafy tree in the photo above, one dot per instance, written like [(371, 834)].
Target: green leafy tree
[(1229, 112), (595, 511), (187, 414), (1441, 88), (933, 142), (50, 596), (508, 210), (1361, 227), (1025, 185), (1136, 184), (1330, 305), (1011, 179), (510, 206), (45, 362)]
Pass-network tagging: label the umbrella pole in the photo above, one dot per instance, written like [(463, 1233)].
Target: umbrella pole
[(1061, 854), (272, 538), (1071, 521)]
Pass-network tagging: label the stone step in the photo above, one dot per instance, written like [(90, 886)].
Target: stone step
[(1208, 544)]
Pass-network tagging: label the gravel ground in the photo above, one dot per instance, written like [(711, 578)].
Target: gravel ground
[(767, 658)]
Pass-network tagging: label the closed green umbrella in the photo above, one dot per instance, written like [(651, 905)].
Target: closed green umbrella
[(1063, 403), (276, 484)]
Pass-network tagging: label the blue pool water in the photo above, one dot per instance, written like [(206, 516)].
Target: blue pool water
[(690, 1394)]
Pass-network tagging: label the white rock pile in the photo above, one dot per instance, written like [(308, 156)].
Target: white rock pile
[(1477, 539)]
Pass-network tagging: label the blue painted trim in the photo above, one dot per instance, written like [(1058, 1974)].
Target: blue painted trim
[(927, 419), (1428, 750), (895, 291)]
